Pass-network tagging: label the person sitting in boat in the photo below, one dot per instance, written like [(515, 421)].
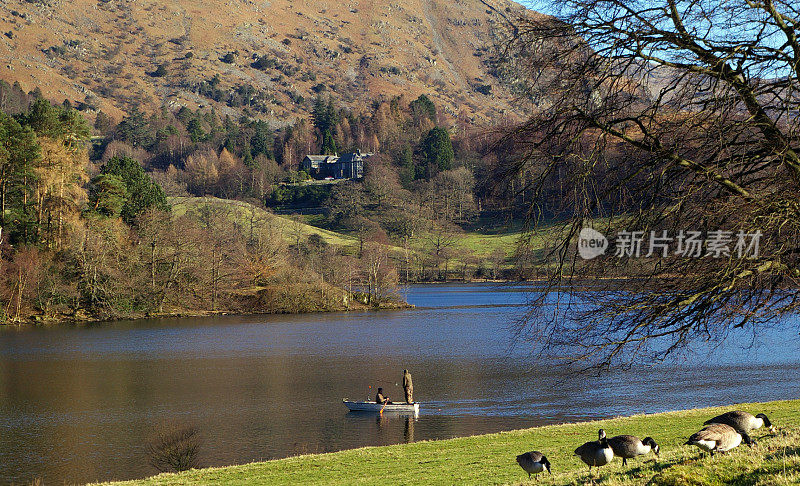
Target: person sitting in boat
[(379, 398)]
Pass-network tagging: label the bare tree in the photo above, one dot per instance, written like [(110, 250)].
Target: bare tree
[(440, 241), (670, 116), (171, 248), (380, 276), (174, 448), (380, 181), (19, 284), (454, 194), (223, 252)]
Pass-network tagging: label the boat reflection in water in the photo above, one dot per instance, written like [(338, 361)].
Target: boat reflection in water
[(385, 419)]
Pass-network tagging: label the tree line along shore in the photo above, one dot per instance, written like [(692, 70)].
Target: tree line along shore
[(174, 213)]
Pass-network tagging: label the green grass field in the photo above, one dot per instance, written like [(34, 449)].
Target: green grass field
[(480, 243), (483, 243), (490, 459)]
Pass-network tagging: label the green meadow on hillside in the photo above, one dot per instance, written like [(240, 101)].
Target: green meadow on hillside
[(494, 247), (243, 213)]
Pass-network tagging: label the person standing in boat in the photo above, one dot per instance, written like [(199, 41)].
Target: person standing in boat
[(379, 398), (408, 386)]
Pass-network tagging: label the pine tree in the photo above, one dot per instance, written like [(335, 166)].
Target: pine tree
[(262, 140), (423, 107), (143, 193), (108, 195), (325, 119), (19, 152), (438, 151), (328, 143), (135, 130)]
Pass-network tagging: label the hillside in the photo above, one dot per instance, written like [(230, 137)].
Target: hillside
[(490, 249), (275, 55), (242, 212)]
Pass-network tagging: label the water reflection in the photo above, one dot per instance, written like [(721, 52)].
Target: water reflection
[(408, 431), (79, 405)]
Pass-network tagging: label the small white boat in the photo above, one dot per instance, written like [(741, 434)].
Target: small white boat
[(377, 407)]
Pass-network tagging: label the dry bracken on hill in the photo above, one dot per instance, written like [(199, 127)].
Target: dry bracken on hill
[(271, 56)]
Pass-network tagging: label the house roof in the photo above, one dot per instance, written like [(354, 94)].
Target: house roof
[(354, 156), (345, 158), (321, 158)]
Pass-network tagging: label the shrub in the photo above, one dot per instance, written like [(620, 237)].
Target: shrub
[(313, 195), (174, 448), (484, 89), (160, 71), (263, 63)]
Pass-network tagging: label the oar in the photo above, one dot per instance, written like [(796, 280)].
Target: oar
[(384, 406)]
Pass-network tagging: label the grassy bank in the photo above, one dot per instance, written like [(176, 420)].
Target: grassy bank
[(490, 459), (243, 213)]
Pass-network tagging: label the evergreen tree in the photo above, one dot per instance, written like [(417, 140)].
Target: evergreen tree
[(328, 143), (19, 152), (405, 161), (438, 152), (72, 128), (108, 195), (42, 118), (143, 193), (423, 107), (319, 114), (261, 141), (57, 122), (195, 129), (102, 123), (325, 119), (135, 129)]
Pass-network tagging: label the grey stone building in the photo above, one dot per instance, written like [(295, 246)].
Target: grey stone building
[(345, 166)]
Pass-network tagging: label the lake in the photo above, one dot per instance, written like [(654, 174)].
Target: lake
[(80, 404)]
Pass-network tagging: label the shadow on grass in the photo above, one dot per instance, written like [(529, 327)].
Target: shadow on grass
[(756, 476), (630, 472), (782, 453), (773, 467)]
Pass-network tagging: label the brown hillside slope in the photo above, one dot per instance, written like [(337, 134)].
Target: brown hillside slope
[(104, 51)]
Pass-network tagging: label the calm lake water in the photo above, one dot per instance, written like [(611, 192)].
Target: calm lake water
[(80, 404)]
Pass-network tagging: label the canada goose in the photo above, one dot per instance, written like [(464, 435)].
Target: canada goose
[(716, 438), (743, 422), (533, 462), (629, 446), (596, 453)]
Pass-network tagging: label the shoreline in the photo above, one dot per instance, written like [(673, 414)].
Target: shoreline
[(80, 318), (39, 322), (490, 458)]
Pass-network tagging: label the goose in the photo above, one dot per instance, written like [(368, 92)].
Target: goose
[(629, 446), (596, 453), (716, 438), (533, 462), (743, 422)]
